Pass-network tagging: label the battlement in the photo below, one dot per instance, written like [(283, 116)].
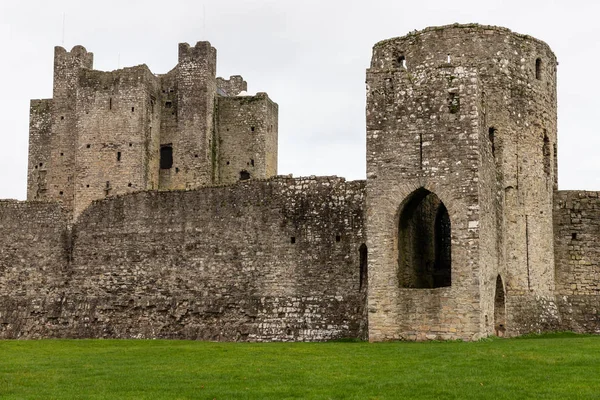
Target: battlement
[(77, 57), (232, 86), (200, 51)]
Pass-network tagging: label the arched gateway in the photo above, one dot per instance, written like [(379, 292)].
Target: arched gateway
[(424, 245)]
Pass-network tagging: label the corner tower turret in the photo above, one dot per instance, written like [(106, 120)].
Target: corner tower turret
[(53, 135), (461, 132)]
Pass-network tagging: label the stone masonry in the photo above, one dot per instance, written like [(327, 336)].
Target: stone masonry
[(155, 211)]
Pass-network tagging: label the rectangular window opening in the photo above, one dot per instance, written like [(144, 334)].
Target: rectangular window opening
[(166, 157), (118, 156)]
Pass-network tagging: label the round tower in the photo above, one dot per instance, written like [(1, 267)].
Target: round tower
[(461, 169)]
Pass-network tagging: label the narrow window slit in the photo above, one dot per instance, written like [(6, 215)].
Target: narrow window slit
[(492, 137)]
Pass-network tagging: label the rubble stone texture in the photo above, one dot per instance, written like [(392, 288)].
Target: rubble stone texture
[(155, 211)]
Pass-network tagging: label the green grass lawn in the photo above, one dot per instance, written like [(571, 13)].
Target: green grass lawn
[(559, 366)]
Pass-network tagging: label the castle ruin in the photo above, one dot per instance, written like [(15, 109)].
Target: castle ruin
[(154, 208)]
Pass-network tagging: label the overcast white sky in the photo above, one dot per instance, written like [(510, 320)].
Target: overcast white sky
[(310, 56)]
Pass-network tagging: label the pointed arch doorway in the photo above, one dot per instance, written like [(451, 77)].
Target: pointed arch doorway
[(424, 242), (499, 309)]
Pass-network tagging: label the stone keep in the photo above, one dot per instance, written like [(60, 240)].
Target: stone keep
[(108, 133), (154, 209)]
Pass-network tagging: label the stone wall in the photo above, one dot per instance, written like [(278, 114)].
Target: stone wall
[(260, 260), (247, 131), (117, 134), (232, 86), (577, 255), (40, 125), (34, 254)]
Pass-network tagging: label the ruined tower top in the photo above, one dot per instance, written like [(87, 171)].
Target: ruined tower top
[(459, 44)]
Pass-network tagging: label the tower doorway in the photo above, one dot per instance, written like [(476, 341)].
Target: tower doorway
[(424, 242), (499, 309)]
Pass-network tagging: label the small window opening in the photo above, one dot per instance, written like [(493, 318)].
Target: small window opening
[(244, 175), (176, 170), (364, 276), (132, 109), (168, 104), (453, 103), (555, 166), (87, 186), (130, 144), (41, 164), (574, 236), (252, 162), (492, 137), (129, 184), (195, 155), (166, 157), (293, 239), (227, 162), (88, 146), (338, 238), (152, 106), (402, 61), (61, 193), (547, 155), (538, 68), (62, 117), (110, 103), (252, 128), (62, 154), (118, 156)]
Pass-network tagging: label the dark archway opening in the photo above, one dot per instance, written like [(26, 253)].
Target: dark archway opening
[(424, 242), (499, 308)]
